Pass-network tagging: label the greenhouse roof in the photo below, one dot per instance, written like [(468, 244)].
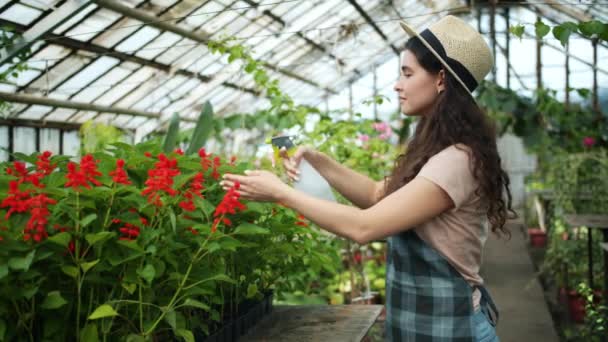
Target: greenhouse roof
[(133, 63)]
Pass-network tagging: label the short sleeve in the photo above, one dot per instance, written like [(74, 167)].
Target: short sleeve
[(451, 170)]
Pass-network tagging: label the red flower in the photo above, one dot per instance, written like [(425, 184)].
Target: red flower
[(130, 232), (148, 154), (160, 179), (229, 205), (179, 151), (301, 221), (187, 205), (17, 201), (119, 175), (21, 172), (205, 161), (232, 160), (43, 165), (36, 226), (193, 231), (144, 221), (196, 186), (81, 177)]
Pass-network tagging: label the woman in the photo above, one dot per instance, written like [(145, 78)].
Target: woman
[(434, 207)]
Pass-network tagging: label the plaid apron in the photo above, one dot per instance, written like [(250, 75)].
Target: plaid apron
[(427, 299)]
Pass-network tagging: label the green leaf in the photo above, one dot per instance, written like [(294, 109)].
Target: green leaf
[(135, 338), (22, 263), (541, 29), (53, 300), (590, 28), (131, 245), (129, 287), (87, 220), (3, 270), (196, 304), (147, 273), (89, 333), (172, 132), (70, 270), (221, 277), (2, 329), (250, 229), (173, 220), (185, 334), (102, 311), (517, 30), (62, 239), (562, 32), (202, 130), (252, 290), (100, 237), (86, 266), (171, 319)]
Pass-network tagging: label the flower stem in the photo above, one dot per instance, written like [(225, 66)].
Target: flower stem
[(179, 288)]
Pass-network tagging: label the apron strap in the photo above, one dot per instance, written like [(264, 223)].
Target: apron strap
[(487, 304)]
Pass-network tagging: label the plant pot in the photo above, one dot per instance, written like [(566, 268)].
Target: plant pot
[(576, 307), (538, 238), (562, 296)]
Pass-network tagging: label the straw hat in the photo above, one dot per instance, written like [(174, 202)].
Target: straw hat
[(459, 47)]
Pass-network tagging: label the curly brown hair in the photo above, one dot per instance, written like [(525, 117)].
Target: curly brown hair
[(456, 119)]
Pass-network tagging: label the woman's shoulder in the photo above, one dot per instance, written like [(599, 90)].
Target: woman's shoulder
[(459, 153)]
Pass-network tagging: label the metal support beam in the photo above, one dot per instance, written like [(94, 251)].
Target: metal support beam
[(45, 101), (373, 24), (508, 46), (47, 24), (594, 93), (539, 62), (493, 36), (301, 35), (567, 67), (101, 50), (197, 36), (375, 74)]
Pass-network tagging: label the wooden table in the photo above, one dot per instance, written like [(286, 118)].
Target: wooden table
[(594, 222), (336, 323)]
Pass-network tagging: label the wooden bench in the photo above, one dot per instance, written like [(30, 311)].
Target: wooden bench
[(336, 323)]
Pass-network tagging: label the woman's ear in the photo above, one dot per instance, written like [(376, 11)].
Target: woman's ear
[(440, 81)]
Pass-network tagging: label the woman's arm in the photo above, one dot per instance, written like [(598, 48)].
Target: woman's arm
[(415, 203), (361, 190)]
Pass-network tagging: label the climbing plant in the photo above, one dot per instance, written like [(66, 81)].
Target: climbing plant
[(9, 38), (593, 29)]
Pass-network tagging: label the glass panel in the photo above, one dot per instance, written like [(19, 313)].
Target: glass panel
[(60, 114), (160, 44), (65, 26), (103, 84), (3, 143), (117, 32), (24, 140), (35, 112), (92, 26), (49, 140), (138, 39), (20, 14), (126, 86), (71, 143), (86, 76), (60, 72)]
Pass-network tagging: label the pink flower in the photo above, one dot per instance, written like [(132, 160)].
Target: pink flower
[(384, 136), (589, 141), (364, 137), (380, 126)]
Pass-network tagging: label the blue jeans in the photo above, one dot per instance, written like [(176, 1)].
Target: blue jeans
[(484, 330)]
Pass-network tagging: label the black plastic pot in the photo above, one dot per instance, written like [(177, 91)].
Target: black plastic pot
[(250, 313)]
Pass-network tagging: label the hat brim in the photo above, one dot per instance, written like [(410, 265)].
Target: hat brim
[(413, 33)]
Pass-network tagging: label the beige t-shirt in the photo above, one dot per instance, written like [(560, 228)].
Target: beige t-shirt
[(460, 233)]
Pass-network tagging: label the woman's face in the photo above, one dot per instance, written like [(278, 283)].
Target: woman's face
[(417, 88)]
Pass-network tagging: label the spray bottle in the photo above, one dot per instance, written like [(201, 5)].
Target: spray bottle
[(311, 181)]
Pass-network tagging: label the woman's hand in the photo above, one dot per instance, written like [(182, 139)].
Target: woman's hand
[(261, 186), (292, 164)]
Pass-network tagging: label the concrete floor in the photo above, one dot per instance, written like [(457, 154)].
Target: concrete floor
[(510, 278)]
